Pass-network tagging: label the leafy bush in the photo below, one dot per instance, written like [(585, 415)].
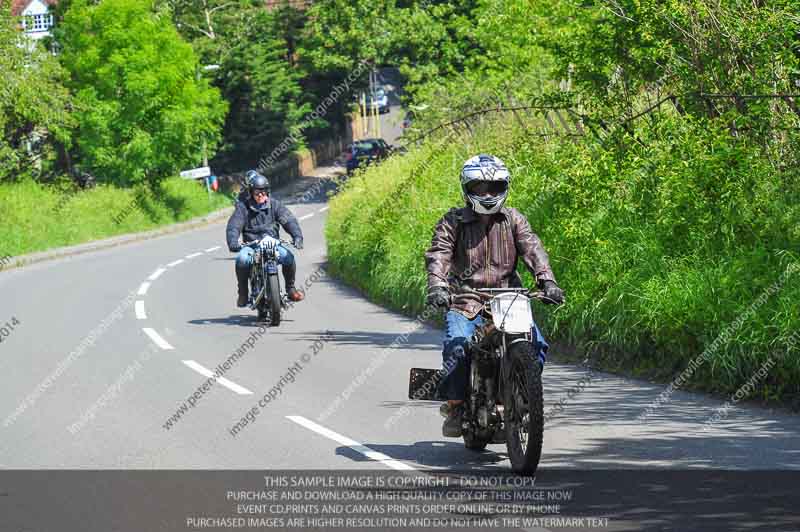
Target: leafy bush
[(659, 248), (142, 111)]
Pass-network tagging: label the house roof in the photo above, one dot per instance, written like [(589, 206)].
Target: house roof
[(18, 6)]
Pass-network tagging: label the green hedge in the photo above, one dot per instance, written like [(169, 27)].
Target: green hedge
[(36, 217), (659, 249)]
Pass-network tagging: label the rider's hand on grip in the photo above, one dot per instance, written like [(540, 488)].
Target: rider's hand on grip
[(552, 293), (439, 297), (298, 243)]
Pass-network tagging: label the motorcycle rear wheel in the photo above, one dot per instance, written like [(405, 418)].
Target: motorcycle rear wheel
[(524, 416)]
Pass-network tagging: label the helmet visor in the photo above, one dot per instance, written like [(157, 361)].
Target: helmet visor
[(487, 188)]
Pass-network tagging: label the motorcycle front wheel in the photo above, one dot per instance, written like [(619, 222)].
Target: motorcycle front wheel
[(524, 412), (274, 300)]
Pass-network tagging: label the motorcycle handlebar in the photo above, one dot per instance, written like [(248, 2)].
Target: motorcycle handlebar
[(255, 242), (486, 293)]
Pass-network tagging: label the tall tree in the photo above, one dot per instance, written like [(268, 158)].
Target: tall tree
[(263, 88), (33, 102), (143, 110)]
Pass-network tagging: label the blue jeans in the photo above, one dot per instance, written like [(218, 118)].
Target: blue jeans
[(457, 333), (244, 260)]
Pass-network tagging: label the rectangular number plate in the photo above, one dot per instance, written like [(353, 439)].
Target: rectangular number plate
[(422, 384)]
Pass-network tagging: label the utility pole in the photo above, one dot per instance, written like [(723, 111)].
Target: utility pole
[(205, 68)]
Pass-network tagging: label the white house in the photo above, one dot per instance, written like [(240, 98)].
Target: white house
[(36, 19)]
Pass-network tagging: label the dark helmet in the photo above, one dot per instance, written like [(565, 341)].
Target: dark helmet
[(257, 181)]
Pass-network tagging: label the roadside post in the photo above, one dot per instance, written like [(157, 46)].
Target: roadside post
[(199, 173)]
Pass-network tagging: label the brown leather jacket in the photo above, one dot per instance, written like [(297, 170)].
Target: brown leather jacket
[(464, 251)]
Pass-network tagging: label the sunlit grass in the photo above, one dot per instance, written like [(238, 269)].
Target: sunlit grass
[(658, 252), (36, 217)]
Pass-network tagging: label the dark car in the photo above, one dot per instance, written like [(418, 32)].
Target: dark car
[(366, 151), (380, 100)]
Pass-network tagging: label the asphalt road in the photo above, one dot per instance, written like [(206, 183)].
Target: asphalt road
[(105, 348), (190, 306)]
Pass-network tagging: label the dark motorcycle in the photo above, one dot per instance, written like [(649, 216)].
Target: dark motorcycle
[(266, 296), (504, 400)]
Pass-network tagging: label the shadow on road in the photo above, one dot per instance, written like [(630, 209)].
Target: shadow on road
[(448, 454), (672, 435), (245, 320), (415, 340)]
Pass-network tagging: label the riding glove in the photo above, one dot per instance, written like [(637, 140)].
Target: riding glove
[(553, 293), (439, 297)]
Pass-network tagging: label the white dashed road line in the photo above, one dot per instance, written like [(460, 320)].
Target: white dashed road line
[(140, 314), (241, 390), (307, 216), (325, 208), (155, 275), (193, 255), (352, 444), (156, 338), (209, 250), (175, 263), (143, 288)]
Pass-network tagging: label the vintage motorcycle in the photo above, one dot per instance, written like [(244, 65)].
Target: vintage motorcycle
[(504, 400), (266, 296)]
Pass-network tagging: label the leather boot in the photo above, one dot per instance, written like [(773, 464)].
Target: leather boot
[(242, 280), (289, 272)]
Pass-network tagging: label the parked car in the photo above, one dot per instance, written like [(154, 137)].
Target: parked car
[(380, 99), (366, 151)]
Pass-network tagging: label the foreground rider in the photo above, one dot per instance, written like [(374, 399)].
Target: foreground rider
[(477, 246), (258, 215)]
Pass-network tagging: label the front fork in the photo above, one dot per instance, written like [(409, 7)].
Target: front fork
[(487, 379), (259, 286)]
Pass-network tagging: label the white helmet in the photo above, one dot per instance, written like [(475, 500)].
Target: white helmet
[(492, 172)]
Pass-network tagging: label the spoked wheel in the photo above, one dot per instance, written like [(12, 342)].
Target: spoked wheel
[(255, 290), (522, 399), (274, 302)]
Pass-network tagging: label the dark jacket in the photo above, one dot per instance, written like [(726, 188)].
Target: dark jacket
[(253, 222), (464, 252)]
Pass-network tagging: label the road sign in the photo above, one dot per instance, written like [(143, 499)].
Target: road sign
[(196, 173)]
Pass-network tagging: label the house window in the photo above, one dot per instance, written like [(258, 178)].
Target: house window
[(42, 22)]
